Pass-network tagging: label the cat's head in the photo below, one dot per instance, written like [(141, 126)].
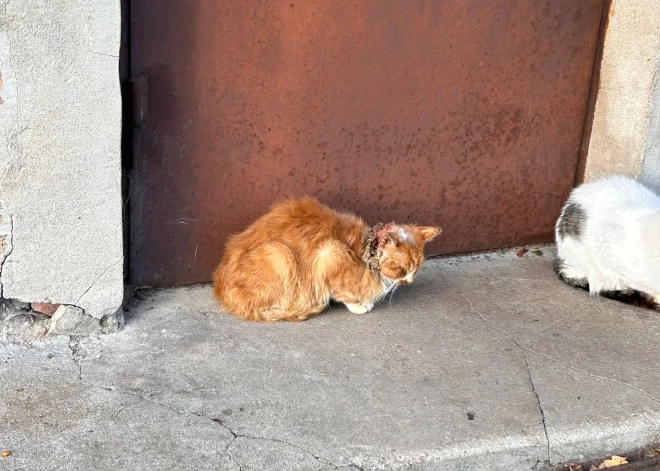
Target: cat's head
[(401, 250)]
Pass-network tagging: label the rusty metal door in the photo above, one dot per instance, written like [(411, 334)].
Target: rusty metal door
[(462, 113)]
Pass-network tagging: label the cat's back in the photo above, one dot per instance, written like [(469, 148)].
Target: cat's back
[(300, 212), (301, 218), (615, 197), (299, 223), (607, 215)]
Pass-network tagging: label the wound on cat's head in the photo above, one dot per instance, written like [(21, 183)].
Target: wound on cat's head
[(400, 250)]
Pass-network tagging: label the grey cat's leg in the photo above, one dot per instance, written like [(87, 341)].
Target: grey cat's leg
[(560, 268)]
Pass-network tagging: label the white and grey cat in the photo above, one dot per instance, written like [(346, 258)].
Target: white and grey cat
[(608, 239)]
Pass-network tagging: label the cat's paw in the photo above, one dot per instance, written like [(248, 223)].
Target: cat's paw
[(656, 298), (359, 308)]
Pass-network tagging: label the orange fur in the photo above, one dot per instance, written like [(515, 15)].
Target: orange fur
[(292, 261)]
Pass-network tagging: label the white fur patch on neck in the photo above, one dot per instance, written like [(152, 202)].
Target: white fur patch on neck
[(404, 235)]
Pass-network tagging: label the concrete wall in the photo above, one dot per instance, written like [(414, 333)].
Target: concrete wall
[(60, 162), (625, 135)]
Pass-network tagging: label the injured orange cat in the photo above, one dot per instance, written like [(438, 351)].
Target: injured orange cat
[(292, 261)]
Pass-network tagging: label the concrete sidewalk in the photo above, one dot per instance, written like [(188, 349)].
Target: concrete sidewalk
[(484, 363)]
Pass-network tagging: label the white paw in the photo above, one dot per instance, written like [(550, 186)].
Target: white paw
[(656, 298), (360, 308)]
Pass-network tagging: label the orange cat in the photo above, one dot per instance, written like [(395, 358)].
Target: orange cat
[(292, 261)]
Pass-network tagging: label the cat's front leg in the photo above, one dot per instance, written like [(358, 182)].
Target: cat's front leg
[(360, 308)]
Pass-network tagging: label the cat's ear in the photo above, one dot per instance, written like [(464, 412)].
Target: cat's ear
[(427, 233)]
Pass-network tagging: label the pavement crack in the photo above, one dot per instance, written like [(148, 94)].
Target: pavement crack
[(233, 434), (75, 350), (237, 435), (556, 360), (231, 442), (76, 353), (4, 256), (141, 397), (538, 401)]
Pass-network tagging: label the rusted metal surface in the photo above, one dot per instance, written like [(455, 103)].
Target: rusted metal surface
[(462, 113)]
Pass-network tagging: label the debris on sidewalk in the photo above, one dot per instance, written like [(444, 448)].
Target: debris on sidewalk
[(612, 462), (644, 459)]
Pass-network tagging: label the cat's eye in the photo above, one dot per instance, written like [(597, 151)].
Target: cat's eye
[(396, 271)]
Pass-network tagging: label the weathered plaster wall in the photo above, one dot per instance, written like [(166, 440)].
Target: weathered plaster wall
[(60, 162), (626, 122), (651, 163)]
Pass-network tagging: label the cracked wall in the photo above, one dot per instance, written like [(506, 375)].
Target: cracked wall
[(625, 128), (60, 162)]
